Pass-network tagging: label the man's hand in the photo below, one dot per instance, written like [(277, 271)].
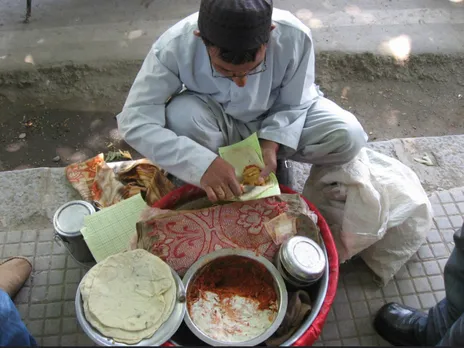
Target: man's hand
[(269, 150), (220, 182)]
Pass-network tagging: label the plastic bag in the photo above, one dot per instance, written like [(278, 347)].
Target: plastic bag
[(375, 207)]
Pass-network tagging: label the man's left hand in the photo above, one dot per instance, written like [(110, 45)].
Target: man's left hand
[(269, 150)]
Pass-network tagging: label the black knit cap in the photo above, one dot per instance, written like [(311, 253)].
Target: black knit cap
[(235, 25)]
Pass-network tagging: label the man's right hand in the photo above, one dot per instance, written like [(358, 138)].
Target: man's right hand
[(220, 182)]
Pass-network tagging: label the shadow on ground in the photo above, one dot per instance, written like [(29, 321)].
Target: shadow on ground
[(68, 110), (57, 137)]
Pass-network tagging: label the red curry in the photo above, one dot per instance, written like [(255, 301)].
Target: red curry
[(230, 276)]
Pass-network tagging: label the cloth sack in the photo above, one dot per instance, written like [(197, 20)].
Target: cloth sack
[(375, 206), (298, 308)]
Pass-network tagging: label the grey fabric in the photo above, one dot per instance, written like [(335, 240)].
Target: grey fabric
[(330, 134), (235, 24), (283, 93), (445, 323), (454, 337)]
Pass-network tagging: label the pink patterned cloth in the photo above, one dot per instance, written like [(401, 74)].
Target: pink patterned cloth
[(182, 237)]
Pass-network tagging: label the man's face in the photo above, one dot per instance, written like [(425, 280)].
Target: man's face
[(237, 73)]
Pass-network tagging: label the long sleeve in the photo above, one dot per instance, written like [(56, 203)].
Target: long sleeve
[(286, 118), (143, 119)]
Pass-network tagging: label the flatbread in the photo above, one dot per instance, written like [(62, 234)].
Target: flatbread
[(162, 288), (129, 337), (125, 294)]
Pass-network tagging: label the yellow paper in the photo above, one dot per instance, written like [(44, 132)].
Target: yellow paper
[(245, 153), (109, 231)]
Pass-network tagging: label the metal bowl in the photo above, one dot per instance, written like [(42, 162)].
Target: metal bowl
[(279, 285), (301, 261), (163, 334)]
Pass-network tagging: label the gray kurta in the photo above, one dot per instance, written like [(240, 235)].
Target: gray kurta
[(282, 104)]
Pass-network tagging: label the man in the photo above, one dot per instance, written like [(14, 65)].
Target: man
[(13, 274), (235, 68), (444, 324)]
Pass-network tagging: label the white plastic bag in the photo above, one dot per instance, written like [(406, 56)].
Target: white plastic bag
[(375, 207)]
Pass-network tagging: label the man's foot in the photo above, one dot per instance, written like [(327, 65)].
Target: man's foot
[(13, 274), (284, 173), (399, 324)]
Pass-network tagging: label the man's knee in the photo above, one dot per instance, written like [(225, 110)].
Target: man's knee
[(352, 137), (332, 135), (183, 113), (191, 116)]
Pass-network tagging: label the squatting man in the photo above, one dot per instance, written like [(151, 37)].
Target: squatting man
[(234, 68)]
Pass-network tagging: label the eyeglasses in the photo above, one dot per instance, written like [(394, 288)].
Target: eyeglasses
[(261, 67)]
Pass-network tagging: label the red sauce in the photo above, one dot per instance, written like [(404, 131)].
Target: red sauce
[(230, 276)]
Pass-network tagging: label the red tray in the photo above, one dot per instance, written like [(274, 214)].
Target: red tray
[(188, 193)]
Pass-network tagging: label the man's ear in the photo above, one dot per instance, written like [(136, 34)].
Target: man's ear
[(273, 26), (196, 33)]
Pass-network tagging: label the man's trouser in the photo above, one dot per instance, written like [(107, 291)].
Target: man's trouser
[(13, 332), (445, 322)]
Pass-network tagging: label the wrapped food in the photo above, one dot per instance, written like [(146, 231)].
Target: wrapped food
[(252, 176)]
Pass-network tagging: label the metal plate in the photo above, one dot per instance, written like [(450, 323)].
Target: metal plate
[(163, 334), (69, 218), (279, 286)]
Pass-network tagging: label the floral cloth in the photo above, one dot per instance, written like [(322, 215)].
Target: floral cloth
[(181, 237), (82, 176)]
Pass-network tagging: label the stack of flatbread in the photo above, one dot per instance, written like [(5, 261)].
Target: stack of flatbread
[(128, 296)]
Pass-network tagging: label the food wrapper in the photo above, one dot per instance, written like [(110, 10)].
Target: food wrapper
[(297, 220), (82, 176), (245, 153), (107, 184)]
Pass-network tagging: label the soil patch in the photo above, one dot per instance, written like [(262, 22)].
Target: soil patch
[(53, 116)]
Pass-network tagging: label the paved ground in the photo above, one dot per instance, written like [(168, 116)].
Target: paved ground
[(86, 30), (419, 284), (46, 303)]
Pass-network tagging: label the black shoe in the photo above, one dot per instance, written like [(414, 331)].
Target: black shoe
[(284, 173), (399, 324), (459, 238)]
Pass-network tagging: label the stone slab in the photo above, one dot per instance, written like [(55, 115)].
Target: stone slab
[(30, 197), (446, 153)]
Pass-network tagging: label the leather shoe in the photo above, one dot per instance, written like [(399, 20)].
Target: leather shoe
[(399, 324), (13, 274)]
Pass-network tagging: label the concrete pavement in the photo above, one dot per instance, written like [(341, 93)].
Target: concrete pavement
[(95, 31)]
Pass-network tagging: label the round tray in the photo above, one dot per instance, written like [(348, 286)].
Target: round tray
[(322, 293), (163, 334)]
